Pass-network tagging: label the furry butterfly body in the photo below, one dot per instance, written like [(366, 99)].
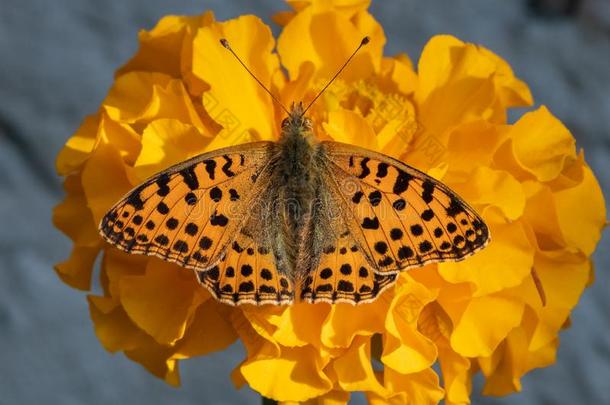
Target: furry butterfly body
[(271, 222)]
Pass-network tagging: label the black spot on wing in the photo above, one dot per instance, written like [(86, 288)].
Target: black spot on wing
[(190, 178), (365, 169), (402, 182), (382, 170), (226, 168), (134, 198), (162, 182), (370, 223), (210, 167), (428, 189)]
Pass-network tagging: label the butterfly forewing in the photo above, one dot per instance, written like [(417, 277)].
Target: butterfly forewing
[(189, 213), (405, 217)]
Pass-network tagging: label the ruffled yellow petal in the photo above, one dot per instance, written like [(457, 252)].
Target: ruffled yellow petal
[(115, 265), (542, 144), (582, 213), (165, 48), (113, 327), (564, 277), (354, 370), (163, 301), (350, 127), (345, 322), (299, 325), (446, 59), (78, 147), (489, 270), (166, 142), (158, 361), (471, 145), (97, 129), (140, 97), (295, 375), (405, 349), (505, 368), (76, 271), (413, 389), (305, 38), (479, 329), (105, 180), (73, 217), (210, 331), (437, 326), (541, 215), (457, 380), (235, 100)]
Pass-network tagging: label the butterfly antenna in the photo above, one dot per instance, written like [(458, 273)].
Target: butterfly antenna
[(364, 41), (225, 43)]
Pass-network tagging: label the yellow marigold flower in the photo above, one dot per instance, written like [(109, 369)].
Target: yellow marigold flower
[(181, 95)]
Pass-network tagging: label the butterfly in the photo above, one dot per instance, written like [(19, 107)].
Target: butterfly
[(297, 219)]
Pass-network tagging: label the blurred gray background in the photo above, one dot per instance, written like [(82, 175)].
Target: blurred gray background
[(57, 59)]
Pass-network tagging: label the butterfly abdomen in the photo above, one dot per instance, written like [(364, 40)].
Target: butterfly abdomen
[(296, 179)]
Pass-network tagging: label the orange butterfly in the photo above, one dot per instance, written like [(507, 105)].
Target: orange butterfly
[(256, 221)]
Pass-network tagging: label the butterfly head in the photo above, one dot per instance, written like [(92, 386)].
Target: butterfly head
[(296, 122)]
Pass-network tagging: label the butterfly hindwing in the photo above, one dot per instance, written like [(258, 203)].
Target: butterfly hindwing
[(342, 274), (247, 274), (190, 212), (405, 218)]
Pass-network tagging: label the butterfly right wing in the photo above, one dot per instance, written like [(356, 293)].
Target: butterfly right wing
[(190, 213)]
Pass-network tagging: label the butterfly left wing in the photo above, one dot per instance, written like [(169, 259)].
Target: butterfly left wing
[(400, 217)]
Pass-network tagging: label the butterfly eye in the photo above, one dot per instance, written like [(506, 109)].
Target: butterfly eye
[(307, 123), (285, 123)]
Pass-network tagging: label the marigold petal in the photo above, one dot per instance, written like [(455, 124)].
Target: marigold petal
[(105, 180), (296, 375), (76, 271), (472, 142), (162, 311), (350, 127), (446, 59), (511, 361), (235, 100), (300, 325), (479, 329), (488, 269), (582, 213), (564, 277), (158, 361), (78, 147), (161, 49), (354, 370), (305, 38), (132, 96), (73, 217), (420, 388), (166, 142), (405, 349), (115, 265), (541, 215), (497, 188), (113, 327), (345, 321), (542, 144), (457, 379), (208, 332)]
